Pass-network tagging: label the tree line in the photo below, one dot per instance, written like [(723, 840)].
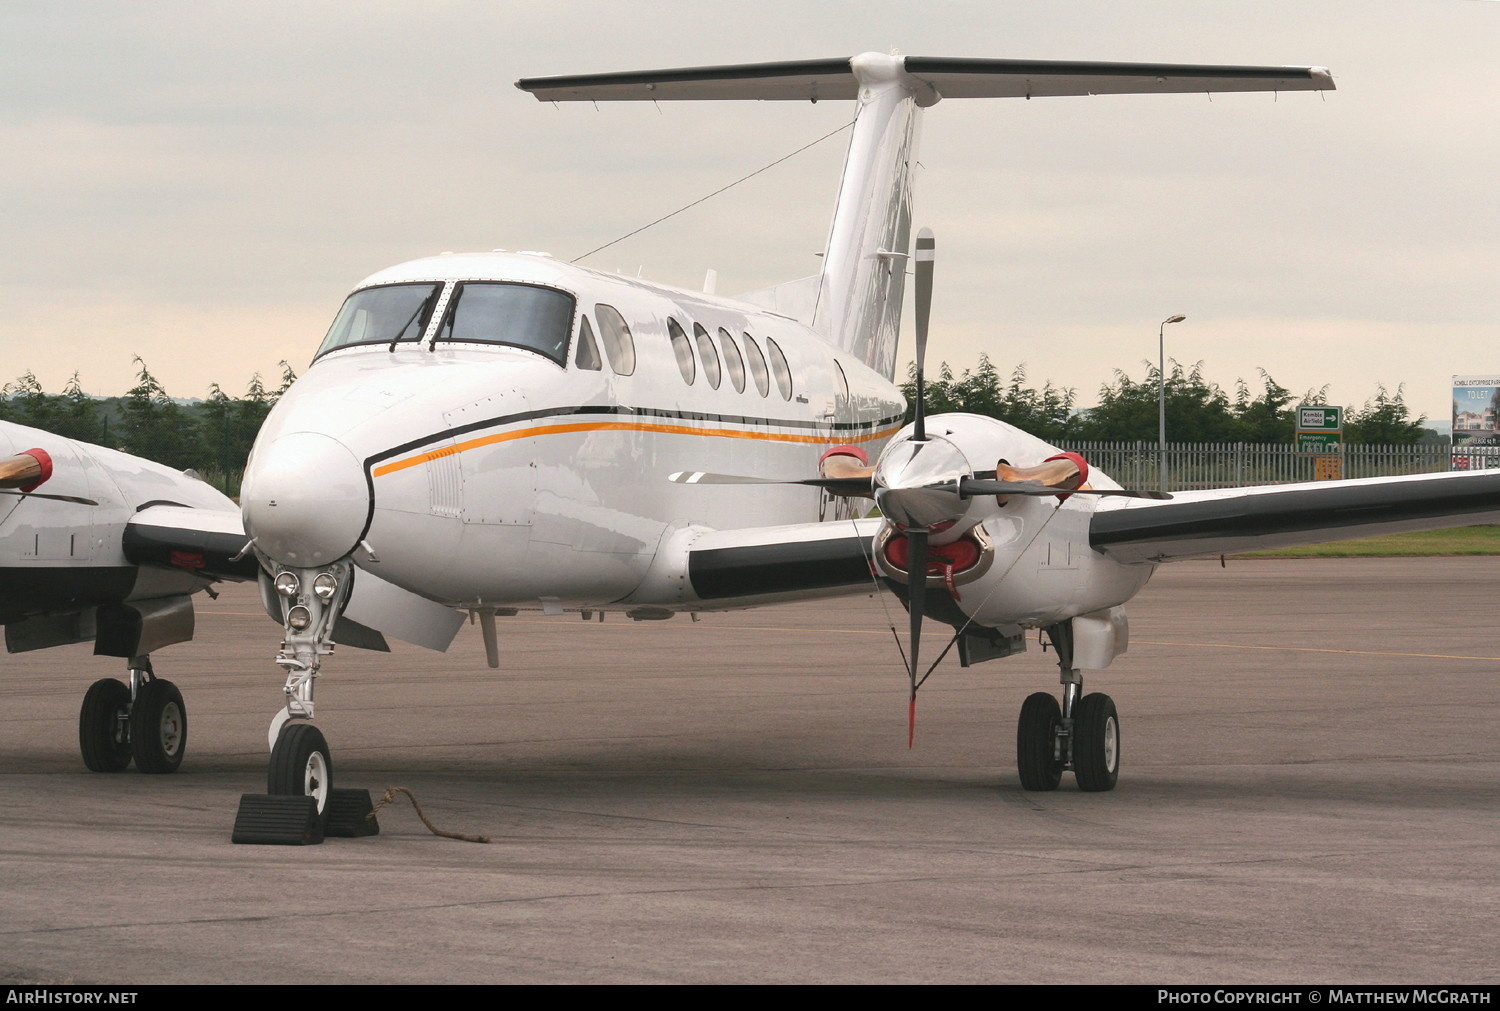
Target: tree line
[(211, 436), (1197, 410)]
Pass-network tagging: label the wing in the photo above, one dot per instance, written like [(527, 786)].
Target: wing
[(1225, 521), (211, 542), (719, 569)]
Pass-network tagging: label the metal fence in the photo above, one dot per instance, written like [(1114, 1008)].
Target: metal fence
[(1193, 465)]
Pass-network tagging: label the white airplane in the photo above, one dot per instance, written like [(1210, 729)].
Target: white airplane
[(492, 432), (100, 546)]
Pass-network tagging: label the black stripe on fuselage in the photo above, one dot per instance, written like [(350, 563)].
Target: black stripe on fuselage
[(616, 410), (604, 410), (753, 570)]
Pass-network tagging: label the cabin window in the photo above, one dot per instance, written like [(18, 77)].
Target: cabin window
[(757, 362), (779, 369), (516, 315), (682, 348), (708, 354), (733, 363), (383, 315), (587, 355), (619, 345)]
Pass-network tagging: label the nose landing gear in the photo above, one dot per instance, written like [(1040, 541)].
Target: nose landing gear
[(301, 805)]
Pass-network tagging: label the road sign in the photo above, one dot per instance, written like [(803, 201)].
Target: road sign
[(1318, 443), (1320, 419), (1320, 430)]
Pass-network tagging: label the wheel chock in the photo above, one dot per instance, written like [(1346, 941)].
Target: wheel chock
[(350, 814), (277, 820)]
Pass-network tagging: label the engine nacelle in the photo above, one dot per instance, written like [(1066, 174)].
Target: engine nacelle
[(1008, 562)]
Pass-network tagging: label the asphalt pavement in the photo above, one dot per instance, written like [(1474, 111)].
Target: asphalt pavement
[(1309, 794)]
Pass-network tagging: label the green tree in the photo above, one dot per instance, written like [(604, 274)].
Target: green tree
[(1385, 420), (1046, 413), (155, 426)]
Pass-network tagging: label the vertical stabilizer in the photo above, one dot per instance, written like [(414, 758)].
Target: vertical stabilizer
[(865, 263), (858, 295)]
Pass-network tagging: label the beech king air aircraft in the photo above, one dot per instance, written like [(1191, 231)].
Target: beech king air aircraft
[(97, 545), (502, 431)]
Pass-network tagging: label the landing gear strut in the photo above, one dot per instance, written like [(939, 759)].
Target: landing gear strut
[(311, 602), (1081, 735), (145, 721)]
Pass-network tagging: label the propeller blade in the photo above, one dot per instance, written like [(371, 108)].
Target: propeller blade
[(971, 486), (924, 263), (56, 498), (838, 485), (916, 606)]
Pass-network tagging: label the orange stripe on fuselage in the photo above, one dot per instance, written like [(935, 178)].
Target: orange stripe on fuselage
[(617, 426)]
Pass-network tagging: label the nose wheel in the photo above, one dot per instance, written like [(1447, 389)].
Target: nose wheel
[(301, 766)]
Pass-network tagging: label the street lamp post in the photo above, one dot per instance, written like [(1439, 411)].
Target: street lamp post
[(1161, 400)]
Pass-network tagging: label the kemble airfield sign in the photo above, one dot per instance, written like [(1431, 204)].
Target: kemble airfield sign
[(1320, 430), (1476, 431), (1320, 435)]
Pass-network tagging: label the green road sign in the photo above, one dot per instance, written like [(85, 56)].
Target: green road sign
[(1320, 419), (1318, 443)]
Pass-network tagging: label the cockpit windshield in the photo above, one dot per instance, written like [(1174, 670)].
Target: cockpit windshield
[(517, 315), (383, 315)]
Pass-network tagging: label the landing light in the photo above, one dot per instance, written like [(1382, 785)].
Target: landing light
[(298, 618), (287, 584), (325, 586)]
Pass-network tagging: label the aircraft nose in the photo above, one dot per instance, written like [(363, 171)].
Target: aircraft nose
[(305, 499)]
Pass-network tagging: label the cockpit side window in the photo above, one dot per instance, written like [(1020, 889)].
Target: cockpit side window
[(587, 355), (382, 315), (516, 315), (683, 350), (619, 345)]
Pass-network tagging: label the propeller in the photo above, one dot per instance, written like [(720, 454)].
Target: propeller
[(20, 473)]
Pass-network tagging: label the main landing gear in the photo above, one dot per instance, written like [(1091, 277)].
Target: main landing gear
[(1081, 735), (144, 722)]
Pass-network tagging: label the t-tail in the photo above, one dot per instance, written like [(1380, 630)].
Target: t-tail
[(856, 299)]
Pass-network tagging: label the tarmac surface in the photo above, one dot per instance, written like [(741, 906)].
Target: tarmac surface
[(1309, 795)]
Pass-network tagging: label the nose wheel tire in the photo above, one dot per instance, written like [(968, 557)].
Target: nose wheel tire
[(1036, 743), (103, 726), (158, 727), (1096, 743), (301, 766)]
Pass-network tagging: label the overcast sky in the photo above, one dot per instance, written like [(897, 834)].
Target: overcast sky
[(201, 183)]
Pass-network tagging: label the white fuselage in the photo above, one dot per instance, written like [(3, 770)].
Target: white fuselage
[(481, 475)]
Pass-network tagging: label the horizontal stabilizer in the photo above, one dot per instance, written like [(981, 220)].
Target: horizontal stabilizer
[(1233, 520), (832, 79)]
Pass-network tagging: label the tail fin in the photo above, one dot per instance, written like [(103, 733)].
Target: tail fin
[(858, 302)]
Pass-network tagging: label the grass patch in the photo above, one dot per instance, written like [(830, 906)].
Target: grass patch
[(1482, 540)]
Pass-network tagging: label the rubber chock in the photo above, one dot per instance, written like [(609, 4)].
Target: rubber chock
[(277, 820), (349, 814)]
